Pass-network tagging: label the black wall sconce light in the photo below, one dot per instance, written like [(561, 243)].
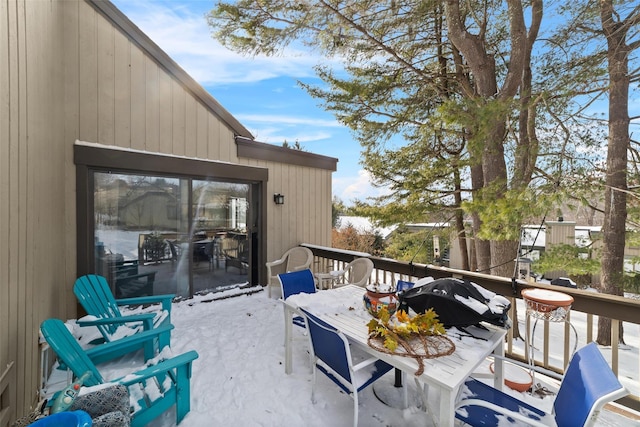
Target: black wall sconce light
[(278, 199)]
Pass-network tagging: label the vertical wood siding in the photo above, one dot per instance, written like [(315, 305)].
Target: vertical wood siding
[(34, 251), (7, 130), (305, 216), (68, 73)]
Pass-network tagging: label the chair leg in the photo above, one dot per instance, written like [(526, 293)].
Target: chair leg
[(183, 391), (313, 384), (164, 340), (355, 408)]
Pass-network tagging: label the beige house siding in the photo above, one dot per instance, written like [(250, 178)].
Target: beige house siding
[(36, 253), (126, 98), (559, 233), (305, 181), (80, 70)]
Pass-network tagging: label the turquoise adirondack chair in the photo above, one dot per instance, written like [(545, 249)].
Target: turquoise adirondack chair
[(95, 296), (155, 389)]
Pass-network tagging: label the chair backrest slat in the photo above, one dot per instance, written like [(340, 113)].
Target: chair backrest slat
[(69, 351), (95, 296)]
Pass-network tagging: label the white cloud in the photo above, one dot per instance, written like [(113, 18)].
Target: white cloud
[(288, 120), (359, 187), (186, 37), (180, 29), (277, 136)]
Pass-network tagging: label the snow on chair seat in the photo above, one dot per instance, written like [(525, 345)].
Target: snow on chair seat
[(588, 384), (153, 390), (94, 294)]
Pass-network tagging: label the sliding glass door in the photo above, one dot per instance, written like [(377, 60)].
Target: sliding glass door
[(158, 234)]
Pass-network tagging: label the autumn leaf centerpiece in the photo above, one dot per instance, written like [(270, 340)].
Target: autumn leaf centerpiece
[(421, 336)]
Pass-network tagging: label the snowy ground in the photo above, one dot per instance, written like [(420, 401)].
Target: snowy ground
[(239, 377)]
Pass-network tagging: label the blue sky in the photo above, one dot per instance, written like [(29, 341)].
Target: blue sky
[(260, 92)]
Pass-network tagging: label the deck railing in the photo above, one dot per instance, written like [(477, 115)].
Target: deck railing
[(551, 354)]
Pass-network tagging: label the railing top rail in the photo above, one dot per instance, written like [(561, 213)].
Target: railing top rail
[(342, 251), (612, 306)]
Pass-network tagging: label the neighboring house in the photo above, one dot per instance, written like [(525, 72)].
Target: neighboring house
[(362, 225), (91, 107), (535, 240), (155, 208)]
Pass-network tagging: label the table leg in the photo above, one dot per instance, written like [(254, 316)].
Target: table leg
[(498, 367), (447, 407), (403, 380), (288, 326)]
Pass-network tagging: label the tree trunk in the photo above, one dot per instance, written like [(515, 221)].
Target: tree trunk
[(461, 233), (615, 211), (482, 260), (483, 68)]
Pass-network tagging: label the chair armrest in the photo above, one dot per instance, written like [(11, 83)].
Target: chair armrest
[(275, 263), (165, 300), (112, 349), (160, 368), (272, 266), (500, 410), (145, 318), (365, 363), (527, 366)]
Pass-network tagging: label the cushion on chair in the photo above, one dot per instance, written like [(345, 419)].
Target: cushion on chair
[(112, 419), (108, 407)]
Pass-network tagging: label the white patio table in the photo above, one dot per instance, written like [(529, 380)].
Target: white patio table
[(343, 308)]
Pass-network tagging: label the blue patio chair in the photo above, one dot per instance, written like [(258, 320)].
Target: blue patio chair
[(66, 419), (403, 285), (295, 283), (332, 356), (168, 380), (94, 294), (588, 384)]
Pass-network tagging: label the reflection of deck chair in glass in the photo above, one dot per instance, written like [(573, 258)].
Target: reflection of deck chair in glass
[(175, 250), (93, 293), (129, 282), (211, 250), (295, 259), (588, 384), (237, 257), (153, 390)]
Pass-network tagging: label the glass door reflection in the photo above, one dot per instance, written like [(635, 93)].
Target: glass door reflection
[(219, 242), (161, 235)]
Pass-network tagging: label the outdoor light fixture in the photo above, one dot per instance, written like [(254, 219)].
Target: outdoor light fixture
[(278, 199)]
